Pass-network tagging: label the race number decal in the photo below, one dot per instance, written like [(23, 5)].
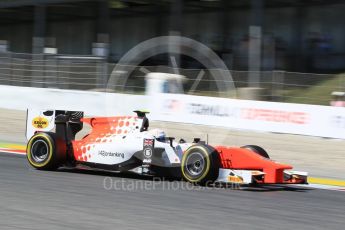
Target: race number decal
[(148, 149)]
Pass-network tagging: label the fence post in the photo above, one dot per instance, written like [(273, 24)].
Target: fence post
[(277, 85), (102, 73), (254, 60), (38, 41), (51, 71)]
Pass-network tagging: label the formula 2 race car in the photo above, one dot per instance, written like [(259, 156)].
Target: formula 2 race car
[(124, 143)]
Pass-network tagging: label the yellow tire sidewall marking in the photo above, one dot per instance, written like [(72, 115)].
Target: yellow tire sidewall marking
[(28, 151), (208, 163)]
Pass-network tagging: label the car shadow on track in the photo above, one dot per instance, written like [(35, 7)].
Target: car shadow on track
[(134, 176), (274, 188), (96, 172)]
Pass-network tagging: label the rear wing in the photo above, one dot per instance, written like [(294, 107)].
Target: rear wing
[(48, 120)]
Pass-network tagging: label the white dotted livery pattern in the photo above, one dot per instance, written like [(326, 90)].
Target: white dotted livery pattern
[(104, 132)]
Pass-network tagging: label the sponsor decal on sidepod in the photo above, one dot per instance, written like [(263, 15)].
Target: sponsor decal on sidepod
[(111, 154)]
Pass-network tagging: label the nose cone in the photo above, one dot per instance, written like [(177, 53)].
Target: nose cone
[(239, 158)]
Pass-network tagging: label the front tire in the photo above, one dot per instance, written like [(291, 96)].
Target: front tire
[(42, 152), (200, 164)]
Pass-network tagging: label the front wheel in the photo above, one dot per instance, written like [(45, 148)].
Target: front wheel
[(41, 152), (200, 164)]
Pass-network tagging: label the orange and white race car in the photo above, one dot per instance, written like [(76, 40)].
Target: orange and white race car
[(125, 143)]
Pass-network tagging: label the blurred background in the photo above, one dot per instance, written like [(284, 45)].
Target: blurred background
[(275, 50)]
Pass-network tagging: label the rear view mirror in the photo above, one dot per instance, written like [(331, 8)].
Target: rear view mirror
[(48, 113)]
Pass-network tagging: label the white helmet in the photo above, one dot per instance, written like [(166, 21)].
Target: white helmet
[(158, 134)]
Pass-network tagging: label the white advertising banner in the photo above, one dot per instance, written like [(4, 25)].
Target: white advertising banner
[(314, 120), (323, 121), (91, 103)]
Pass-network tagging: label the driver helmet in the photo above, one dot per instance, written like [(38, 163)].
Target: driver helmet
[(158, 134)]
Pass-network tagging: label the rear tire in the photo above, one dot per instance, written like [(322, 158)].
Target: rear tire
[(44, 152), (257, 149), (200, 164)]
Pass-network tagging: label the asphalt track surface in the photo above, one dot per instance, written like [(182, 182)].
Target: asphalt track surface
[(79, 199)]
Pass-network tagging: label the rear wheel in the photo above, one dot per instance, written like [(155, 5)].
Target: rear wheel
[(42, 152), (200, 164), (257, 149)]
